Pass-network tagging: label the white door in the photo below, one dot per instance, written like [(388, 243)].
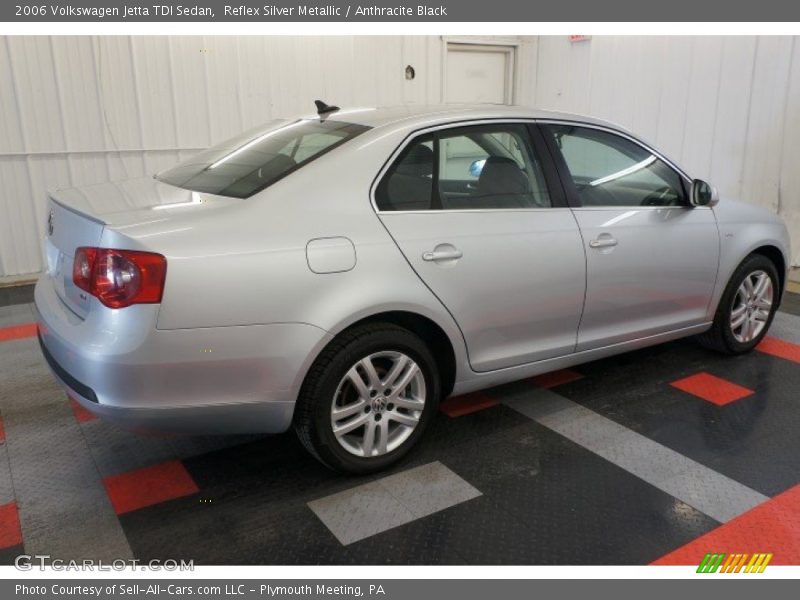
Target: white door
[(479, 74)]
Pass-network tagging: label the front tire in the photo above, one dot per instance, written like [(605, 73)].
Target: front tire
[(368, 398), (746, 308)]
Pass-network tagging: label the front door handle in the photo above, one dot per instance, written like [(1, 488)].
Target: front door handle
[(437, 255), (603, 242)]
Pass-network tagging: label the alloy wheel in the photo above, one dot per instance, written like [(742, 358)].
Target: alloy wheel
[(752, 306), (378, 404)]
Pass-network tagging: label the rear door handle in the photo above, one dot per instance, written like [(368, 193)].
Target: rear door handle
[(436, 255), (603, 242)]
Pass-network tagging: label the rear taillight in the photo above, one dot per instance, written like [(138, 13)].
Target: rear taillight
[(119, 278)]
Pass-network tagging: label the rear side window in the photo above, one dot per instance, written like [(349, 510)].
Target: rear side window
[(466, 168), (247, 164), (409, 183)]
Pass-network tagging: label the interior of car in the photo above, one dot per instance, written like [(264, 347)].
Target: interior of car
[(478, 168), (609, 170)]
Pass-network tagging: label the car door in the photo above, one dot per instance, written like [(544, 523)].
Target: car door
[(651, 258), (482, 220)]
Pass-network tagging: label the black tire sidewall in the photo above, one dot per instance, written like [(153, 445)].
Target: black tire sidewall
[(749, 265), (325, 442)]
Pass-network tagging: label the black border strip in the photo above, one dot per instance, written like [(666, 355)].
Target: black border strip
[(82, 389)]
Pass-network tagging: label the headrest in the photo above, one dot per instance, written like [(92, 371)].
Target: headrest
[(501, 175), (418, 162)]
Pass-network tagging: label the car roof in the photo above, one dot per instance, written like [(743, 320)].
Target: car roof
[(412, 116)]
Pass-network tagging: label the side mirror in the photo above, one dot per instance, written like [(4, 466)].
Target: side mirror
[(703, 194)]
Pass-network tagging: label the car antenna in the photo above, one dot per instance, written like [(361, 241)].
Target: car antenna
[(324, 109)]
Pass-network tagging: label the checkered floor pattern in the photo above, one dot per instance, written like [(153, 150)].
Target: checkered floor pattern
[(656, 456)]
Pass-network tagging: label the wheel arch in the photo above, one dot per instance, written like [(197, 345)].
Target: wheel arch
[(774, 254), (720, 336), (432, 333), (737, 246)]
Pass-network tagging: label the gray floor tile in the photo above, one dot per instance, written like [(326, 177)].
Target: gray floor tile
[(6, 484), (16, 314), (63, 508), (786, 327), (719, 497), (374, 507), (656, 466), (689, 481), (360, 512), (428, 489)]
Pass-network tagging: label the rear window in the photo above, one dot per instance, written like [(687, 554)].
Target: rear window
[(245, 165)]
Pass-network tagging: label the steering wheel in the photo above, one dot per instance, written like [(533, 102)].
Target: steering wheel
[(657, 198)]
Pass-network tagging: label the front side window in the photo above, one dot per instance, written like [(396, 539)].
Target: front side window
[(478, 167), (251, 162), (609, 170)]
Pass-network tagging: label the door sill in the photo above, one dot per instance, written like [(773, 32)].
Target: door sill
[(481, 380)]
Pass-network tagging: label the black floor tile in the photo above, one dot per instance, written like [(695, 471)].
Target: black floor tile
[(753, 440), (545, 501), (9, 555)]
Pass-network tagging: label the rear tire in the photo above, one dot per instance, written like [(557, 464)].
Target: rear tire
[(368, 398), (746, 309)]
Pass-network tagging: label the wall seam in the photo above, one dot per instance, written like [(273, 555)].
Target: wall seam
[(784, 115)]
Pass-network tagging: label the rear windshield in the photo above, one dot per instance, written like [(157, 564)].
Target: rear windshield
[(247, 164)]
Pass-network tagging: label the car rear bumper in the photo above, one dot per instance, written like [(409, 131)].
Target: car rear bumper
[(223, 380)]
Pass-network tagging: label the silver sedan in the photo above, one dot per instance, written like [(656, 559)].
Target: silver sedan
[(342, 272)]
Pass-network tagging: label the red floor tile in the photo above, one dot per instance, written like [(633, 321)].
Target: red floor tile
[(151, 485), (713, 389), (81, 414), (780, 348), (17, 332), (458, 406), (773, 526), (555, 378), (10, 532)]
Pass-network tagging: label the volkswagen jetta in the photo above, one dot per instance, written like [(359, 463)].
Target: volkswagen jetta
[(344, 271)]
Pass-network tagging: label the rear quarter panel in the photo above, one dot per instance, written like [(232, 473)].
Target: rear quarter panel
[(246, 264)]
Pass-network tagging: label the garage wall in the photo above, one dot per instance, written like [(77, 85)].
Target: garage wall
[(726, 108), (81, 110)]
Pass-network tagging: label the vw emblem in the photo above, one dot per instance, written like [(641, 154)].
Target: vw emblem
[(379, 404), (50, 223)]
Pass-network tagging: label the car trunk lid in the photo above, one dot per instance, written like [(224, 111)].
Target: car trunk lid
[(68, 229), (78, 217)]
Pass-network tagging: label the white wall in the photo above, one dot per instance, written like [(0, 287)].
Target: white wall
[(81, 110), (78, 110), (726, 108)]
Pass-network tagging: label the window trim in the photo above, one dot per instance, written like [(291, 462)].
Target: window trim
[(569, 185), (552, 176)]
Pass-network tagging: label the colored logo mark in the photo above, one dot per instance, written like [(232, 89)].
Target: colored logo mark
[(734, 563)]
